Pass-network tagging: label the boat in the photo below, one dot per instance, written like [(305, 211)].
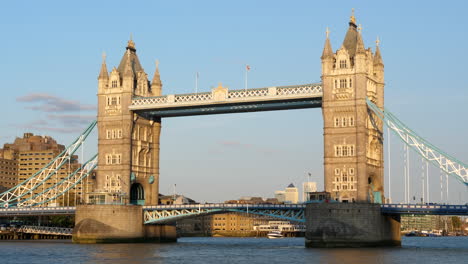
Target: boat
[(275, 234)]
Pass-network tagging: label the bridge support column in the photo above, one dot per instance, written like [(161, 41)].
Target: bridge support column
[(350, 225), (117, 224)]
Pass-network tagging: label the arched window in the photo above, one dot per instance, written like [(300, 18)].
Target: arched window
[(137, 194)]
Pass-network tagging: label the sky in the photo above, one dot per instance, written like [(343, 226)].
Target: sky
[(52, 51)]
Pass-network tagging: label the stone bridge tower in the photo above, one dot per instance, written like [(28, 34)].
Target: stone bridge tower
[(128, 144), (353, 139)]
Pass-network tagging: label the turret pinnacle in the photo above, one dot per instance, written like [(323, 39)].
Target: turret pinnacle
[(327, 49), (360, 44), (103, 74), (377, 57), (156, 84), (157, 76)]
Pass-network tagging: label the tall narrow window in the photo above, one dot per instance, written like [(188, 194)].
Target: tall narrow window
[(350, 83), (343, 83), (342, 64), (351, 150), (351, 121), (337, 122), (343, 122), (345, 151)]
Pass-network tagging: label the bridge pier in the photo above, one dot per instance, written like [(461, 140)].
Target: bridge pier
[(350, 225), (117, 224)]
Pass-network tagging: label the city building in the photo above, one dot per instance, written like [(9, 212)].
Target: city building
[(254, 200), (280, 196), (307, 188), (8, 173), (289, 195), (28, 155), (227, 224), (175, 199)]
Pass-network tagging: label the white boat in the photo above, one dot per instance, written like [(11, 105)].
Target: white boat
[(275, 234)]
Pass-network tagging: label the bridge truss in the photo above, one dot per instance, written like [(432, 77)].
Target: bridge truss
[(171, 213), (447, 163), (13, 196)]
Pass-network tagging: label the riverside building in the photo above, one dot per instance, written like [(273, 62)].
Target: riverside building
[(28, 155)]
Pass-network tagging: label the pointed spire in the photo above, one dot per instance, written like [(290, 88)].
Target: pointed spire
[(377, 57), (157, 76), (351, 39), (327, 49), (156, 84), (103, 74), (128, 71), (360, 43)]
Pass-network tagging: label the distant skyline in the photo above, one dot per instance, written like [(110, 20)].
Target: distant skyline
[(52, 52)]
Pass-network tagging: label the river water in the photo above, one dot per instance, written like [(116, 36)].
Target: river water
[(234, 250)]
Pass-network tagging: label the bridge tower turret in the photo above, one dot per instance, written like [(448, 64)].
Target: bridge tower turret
[(353, 139), (128, 162)]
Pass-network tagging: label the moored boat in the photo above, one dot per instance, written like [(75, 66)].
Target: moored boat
[(275, 234)]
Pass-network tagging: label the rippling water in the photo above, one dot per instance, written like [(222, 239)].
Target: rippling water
[(234, 250)]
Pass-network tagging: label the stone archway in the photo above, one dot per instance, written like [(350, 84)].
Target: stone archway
[(137, 194)]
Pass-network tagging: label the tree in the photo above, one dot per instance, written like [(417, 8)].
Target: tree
[(456, 223)]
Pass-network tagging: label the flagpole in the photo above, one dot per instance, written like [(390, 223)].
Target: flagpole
[(246, 72), (196, 82)]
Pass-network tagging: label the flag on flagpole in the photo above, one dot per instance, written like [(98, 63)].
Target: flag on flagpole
[(247, 67)]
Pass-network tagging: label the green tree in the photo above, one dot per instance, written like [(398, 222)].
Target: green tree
[(62, 221), (456, 223)]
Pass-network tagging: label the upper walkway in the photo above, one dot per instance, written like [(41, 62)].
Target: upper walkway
[(221, 100)]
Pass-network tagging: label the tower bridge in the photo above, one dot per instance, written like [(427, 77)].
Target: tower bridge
[(131, 109)]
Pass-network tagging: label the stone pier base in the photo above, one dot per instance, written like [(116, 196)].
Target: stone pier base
[(117, 224), (350, 225)]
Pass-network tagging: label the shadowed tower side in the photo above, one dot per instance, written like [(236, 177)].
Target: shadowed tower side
[(128, 144), (353, 140)]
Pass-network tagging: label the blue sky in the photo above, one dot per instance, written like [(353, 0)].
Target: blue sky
[(51, 55)]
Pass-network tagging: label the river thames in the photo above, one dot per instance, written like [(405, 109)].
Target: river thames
[(234, 250)]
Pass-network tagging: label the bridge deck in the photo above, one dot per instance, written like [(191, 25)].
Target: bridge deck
[(386, 209), (221, 101)]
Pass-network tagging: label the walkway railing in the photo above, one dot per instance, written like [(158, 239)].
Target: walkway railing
[(46, 230), (233, 96)]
